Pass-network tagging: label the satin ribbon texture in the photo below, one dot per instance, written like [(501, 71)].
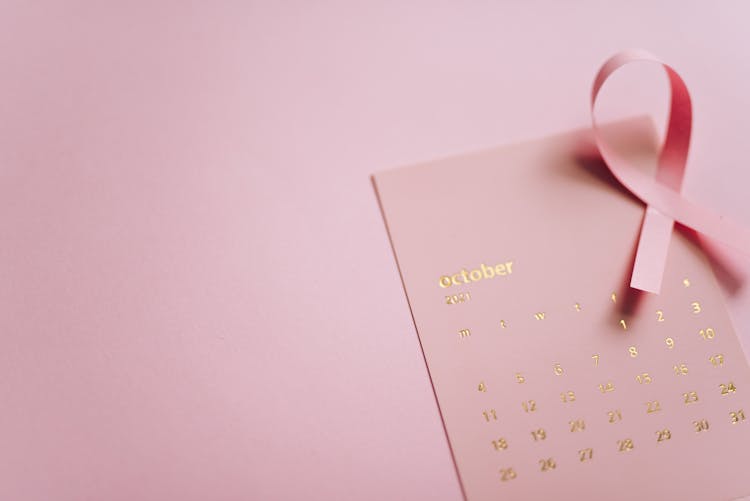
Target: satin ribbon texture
[(662, 193)]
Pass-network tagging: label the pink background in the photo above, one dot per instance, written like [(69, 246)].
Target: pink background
[(198, 297)]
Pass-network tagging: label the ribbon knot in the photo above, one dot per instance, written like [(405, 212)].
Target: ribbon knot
[(662, 194)]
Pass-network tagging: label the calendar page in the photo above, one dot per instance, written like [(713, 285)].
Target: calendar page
[(553, 378)]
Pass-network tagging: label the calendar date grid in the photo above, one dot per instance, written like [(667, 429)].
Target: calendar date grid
[(624, 440)]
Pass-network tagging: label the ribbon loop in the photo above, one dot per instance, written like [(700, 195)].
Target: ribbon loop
[(662, 194)]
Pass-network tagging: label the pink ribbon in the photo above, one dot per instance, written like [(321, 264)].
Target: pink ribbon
[(662, 194)]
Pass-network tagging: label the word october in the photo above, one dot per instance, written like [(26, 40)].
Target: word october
[(466, 277)]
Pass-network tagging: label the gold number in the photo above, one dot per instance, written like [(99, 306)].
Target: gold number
[(690, 397), (489, 415), (633, 351), (529, 405), (577, 425), (547, 464), (625, 445), (585, 454), (500, 444), (568, 396), (670, 342), (663, 435), (643, 378), (539, 434), (728, 388), (604, 388), (624, 325), (614, 416), (596, 360), (659, 316), (707, 333), (653, 406), (520, 378), (717, 360), (461, 297), (503, 324), (696, 307), (558, 369), (680, 370), (701, 425), (482, 387), (507, 474), (737, 416)]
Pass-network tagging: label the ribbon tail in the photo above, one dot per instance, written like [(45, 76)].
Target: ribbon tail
[(653, 247)]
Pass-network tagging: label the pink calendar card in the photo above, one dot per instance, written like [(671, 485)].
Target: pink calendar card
[(553, 378)]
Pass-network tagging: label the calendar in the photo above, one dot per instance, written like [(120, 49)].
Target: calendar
[(555, 379)]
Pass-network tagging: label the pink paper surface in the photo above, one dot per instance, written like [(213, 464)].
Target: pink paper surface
[(198, 297), (553, 378)]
